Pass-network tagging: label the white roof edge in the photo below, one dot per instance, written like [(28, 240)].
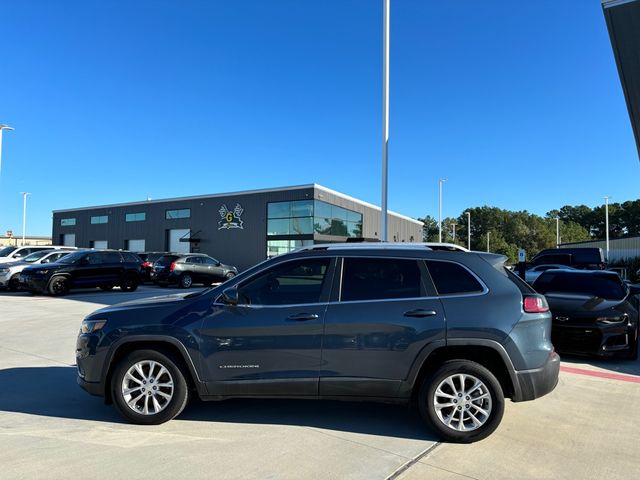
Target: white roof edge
[(615, 3), (366, 204), (193, 197)]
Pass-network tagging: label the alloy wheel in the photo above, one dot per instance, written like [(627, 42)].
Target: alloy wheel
[(462, 402), (147, 387)]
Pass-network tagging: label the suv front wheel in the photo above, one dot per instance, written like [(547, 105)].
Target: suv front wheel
[(148, 388), (463, 401)]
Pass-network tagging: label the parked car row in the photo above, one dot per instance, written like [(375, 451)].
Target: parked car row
[(56, 270)]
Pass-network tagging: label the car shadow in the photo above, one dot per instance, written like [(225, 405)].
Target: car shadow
[(629, 367), (23, 387)]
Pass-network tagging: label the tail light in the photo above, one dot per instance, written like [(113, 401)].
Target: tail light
[(535, 304), (172, 266), (146, 264)]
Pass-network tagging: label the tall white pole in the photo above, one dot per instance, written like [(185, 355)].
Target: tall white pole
[(385, 117), (453, 226), (440, 182), (24, 215), (2, 127), (468, 230), (606, 221), (557, 232), (488, 233)]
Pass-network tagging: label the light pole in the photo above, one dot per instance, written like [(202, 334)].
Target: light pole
[(557, 232), (385, 117), (440, 182), (606, 222), (468, 230), (24, 214), (453, 227), (3, 127), (488, 233)]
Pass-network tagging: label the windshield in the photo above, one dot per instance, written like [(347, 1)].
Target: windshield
[(609, 287), (6, 251), (36, 256), (71, 258)]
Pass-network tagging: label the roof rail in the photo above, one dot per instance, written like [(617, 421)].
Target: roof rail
[(365, 246)]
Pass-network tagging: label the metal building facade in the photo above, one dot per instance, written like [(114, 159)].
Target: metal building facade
[(619, 248), (232, 227)]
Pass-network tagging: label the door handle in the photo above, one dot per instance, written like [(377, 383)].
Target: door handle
[(420, 313), (302, 317)]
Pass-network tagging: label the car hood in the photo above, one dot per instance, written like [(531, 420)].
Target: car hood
[(579, 304), (47, 266), (161, 300)]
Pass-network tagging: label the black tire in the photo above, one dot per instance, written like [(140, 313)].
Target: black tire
[(58, 285), (173, 407), (106, 288), (13, 283), (490, 386), (186, 281), (229, 276), (129, 283)]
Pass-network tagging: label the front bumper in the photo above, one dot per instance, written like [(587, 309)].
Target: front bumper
[(532, 384), (33, 283), (93, 388), (590, 339)]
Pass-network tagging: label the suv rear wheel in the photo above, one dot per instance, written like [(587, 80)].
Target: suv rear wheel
[(148, 388), (463, 401), (129, 283), (186, 281)]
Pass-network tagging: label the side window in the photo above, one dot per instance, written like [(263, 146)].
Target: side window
[(209, 261), (94, 259), (296, 282), (451, 278), (131, 258), (380, 278)]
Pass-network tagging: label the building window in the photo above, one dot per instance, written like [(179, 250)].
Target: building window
[(278, 247), (136, 217), (100, 219), (67, 222), (305, 217), (182, 213)]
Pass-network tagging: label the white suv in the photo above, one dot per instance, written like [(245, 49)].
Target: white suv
[(14, 254)]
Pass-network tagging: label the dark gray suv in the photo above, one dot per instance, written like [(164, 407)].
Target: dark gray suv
[(453, 332), (189, 268)]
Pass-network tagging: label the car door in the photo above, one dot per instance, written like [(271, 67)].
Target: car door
[(385, 314), (270, 342), (87, 272), (213, 272)]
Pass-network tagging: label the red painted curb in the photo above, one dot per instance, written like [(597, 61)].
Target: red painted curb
[(595, 373)]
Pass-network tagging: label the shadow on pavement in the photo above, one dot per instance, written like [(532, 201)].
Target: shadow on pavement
[(629, 367), (53, 392), (113, 297)]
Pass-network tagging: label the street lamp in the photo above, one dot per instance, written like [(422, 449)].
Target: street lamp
[(488, 233), (453, 226), (557, 232), (24, 214), (3, 127), (440, 182), (606, 222), (468, 230), (385, 116)]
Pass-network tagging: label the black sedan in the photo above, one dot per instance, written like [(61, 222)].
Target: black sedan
[(593, 312)]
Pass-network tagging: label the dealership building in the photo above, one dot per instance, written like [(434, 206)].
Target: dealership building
[(240, 228)]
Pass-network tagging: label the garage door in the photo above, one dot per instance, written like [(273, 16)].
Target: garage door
[(175, 245), (99, 244), (69, 239), (135, 245)]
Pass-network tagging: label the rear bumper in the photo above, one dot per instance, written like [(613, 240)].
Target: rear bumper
[(532, 384)]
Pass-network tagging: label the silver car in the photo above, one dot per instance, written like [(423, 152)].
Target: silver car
[(10, 271), (533, 273)]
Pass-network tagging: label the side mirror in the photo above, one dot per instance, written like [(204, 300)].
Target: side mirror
[(634, 289), (230, 296), (218, 264)]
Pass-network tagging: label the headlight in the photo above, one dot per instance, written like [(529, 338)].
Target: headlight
[(4, 270), (612, 320), (91, 326)]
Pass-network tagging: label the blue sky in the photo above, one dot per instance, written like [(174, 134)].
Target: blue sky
[(517, 104)]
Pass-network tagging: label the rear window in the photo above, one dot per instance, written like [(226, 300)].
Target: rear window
[(131, 257), (451, 278), (523, 286), (609, 287), (167, 259), (379, 279), (561, 259)]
